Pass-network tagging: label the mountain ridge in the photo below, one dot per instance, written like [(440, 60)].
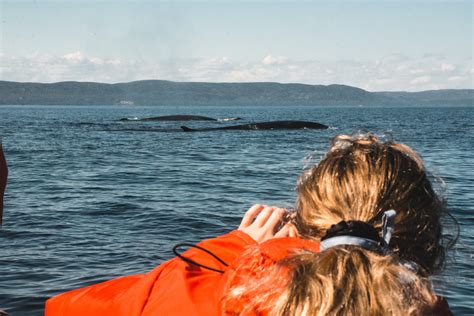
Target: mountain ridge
[(164, 92)]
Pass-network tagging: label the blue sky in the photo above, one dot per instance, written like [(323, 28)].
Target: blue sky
[(375, 45)]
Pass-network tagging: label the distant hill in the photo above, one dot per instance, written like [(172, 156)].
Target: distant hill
[(435, 97), (160, 92)]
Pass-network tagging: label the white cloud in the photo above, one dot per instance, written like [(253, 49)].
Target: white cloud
[(390, 59), (114, 61), (457, 79), (422, 79), (97, 61), (274, 60), (395, 72), (240, 75), (75, 57), (382, 81), (447, 67), (417, 71)]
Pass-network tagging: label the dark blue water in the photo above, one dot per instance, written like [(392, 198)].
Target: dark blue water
[(90, 198)]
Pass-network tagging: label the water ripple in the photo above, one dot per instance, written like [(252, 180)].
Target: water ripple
[(90, 198)]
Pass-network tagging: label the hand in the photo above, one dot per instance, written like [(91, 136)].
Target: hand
[(260, 222)]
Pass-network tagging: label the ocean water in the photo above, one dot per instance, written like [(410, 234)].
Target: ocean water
[(91, 198)]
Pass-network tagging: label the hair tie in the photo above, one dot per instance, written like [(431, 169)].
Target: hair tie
[(358, 233)]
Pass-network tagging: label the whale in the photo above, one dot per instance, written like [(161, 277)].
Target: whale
[(273, 125), (179, 118)]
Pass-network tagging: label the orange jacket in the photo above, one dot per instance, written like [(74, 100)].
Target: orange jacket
[(173, 288), (178, 288)]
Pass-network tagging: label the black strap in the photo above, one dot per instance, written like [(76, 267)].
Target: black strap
[(353, 228), (191, 261)]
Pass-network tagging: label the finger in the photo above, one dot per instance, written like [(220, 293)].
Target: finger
[(284, 231), (264, 215), (250, 215), (275, 219), (293, 231)]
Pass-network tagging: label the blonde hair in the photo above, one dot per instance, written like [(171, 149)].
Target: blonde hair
[(358, 179), (353, 281)]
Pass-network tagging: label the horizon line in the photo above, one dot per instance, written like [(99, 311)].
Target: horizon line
[(224, 82)]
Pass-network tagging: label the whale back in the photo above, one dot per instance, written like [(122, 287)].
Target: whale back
[(273, 125)]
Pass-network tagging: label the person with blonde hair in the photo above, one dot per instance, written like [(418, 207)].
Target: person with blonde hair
[(364, 239), (372, 209)]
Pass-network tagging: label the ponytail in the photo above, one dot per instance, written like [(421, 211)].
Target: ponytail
[(343, 280), (348, 280)]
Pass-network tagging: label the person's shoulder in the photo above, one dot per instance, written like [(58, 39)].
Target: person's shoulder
[(280, 248), (273, 250), (252, 269)]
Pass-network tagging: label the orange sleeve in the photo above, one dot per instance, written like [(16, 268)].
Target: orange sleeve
[(173, 288), (190, 290), (227, 247)]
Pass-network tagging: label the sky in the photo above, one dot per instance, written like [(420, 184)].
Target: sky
[(375, 45)]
